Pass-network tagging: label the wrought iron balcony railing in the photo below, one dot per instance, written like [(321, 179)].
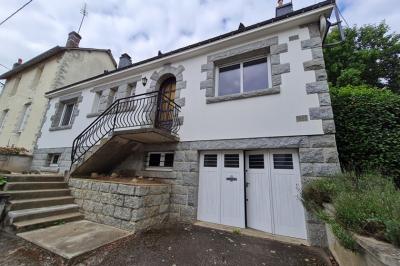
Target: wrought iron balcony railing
[(139, 111)]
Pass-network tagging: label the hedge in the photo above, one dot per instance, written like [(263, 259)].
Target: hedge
[(367, 129)]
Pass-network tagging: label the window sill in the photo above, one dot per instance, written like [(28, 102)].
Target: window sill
[(245, 95), (93, 114), (60, 128), (159, 169)]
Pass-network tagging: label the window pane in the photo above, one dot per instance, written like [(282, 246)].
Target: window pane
[(255, 75), (229, 80), (67, 114), (154, 159), (283, 161), (256, 161), (55, 158), (231, 160), (169, 160), (210, 160)]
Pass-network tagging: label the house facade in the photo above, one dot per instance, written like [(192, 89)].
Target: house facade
[(22, 101), (236, 124)]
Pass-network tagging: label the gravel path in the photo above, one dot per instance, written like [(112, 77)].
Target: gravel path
[(181, 245)]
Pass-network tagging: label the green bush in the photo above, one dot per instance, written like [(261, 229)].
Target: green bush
[(367, 129), (3, 180), (367, 204)]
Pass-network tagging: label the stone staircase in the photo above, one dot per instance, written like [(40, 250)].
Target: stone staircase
[(37, 201)]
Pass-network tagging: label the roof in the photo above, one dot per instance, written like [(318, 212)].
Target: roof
[(201, 43), (49, 53)]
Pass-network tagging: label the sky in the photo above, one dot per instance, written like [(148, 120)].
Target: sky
[(142, 28)]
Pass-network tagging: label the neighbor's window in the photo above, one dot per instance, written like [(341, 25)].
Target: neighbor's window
[(67, 114), (160, 159), (131, 89), (15, 86), (24, 117), (250, 75), (112, 96), (3, 117), (97, 101), (38, 75)]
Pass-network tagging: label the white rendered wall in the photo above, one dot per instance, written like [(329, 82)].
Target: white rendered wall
[(263, 116)]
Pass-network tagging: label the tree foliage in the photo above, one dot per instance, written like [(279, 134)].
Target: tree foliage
[(370, 55), (367, 128)]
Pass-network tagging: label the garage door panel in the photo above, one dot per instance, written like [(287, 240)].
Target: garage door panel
[(258, 188), (289, 217), (288, 211), (209, 189), (221, 188), (232, 189)]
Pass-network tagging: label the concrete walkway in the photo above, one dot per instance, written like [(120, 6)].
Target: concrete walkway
[(73, 239)]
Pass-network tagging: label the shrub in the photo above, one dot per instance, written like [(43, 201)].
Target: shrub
[(367, 204), (13, 150), (3, 180), (367, 128)]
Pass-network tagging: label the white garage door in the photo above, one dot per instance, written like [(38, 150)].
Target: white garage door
[(272, 192), (221, 188)]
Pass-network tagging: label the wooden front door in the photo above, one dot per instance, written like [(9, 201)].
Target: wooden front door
[(166, 108)]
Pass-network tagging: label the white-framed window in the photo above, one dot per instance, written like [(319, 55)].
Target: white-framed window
[(15, 86), (160, 160), (243, 76), (97, 101), (23, 119), (113, 95), (3, 117), (53, 159), (131, 90), (38, 75), (66, 115)]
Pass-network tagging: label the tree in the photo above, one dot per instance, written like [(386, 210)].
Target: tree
[(370, 55)]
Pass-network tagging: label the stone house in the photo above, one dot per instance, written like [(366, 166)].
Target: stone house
[(22, 101), (236, 124)]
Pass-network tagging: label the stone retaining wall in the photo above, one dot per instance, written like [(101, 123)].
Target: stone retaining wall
[(131, 207)]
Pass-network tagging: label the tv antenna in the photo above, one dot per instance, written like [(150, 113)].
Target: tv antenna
[(84, 13)]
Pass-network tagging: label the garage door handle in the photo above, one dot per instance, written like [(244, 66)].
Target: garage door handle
[(231, 178)]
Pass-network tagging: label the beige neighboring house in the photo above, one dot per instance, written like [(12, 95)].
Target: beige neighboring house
[(22, 101)]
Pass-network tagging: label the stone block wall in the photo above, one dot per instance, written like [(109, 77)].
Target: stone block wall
[(40, 160), (130, 207)]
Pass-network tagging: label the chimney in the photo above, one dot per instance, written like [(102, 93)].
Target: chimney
[(73, 40), (124, 60), (19, 62), (283, 9)]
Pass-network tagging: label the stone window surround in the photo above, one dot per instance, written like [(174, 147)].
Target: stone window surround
[(55, 119), (23, 118), (277, 69), (320, 87), (122, 86), (167, 71)]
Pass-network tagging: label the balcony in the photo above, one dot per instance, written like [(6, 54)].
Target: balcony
[(144, 118)]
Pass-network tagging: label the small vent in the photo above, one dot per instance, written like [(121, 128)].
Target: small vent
[(283, 161), (210, 160), (256, 161), (231, 160)]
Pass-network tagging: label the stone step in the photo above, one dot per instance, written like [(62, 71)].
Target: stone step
[(47, 221), (34, 194), (34, 185), (29, 214), (39, 202), (34, 178)]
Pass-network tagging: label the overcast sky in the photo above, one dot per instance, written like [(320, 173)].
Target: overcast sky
[(141, 28)]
